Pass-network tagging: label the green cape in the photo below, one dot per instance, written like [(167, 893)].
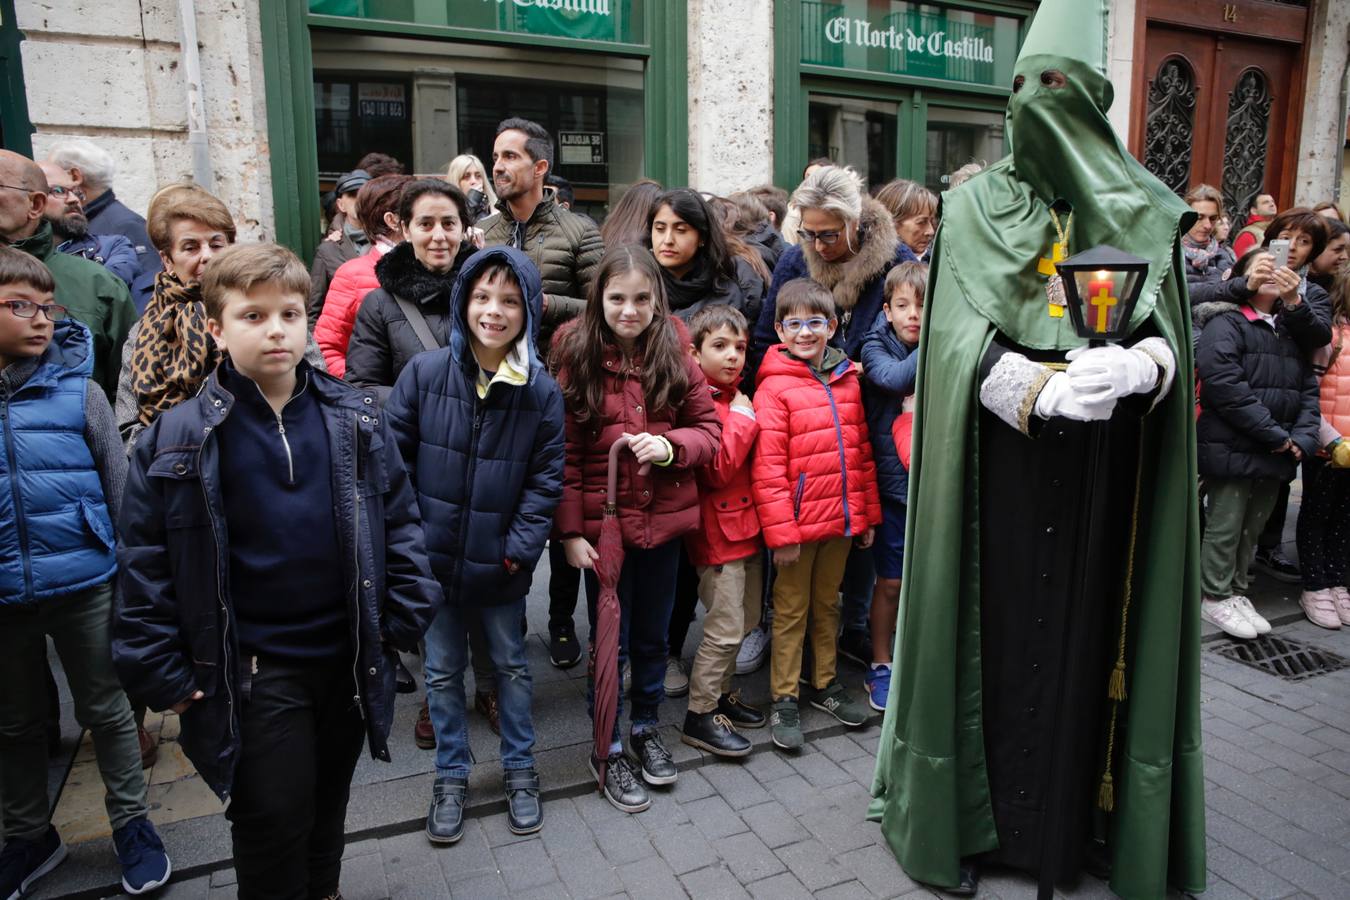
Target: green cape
[(931, 787)]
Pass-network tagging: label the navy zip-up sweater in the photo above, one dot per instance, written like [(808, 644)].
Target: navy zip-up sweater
[(285, 565)]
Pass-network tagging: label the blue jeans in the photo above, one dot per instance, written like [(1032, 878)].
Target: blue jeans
[(646, 597), (859, 577), (447, 657)]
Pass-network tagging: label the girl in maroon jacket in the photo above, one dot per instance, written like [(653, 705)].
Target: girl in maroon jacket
[(625, 370)]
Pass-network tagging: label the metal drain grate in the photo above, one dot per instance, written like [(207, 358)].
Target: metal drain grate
[(1290, 660)]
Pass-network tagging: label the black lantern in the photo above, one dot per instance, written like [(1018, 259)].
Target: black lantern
[(1101, 287)]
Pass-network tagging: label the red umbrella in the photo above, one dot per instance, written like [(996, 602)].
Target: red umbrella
[(604, 658)]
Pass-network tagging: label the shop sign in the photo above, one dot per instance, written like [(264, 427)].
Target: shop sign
[(581, 148), (919, 39), (381, 101), (594, 20)]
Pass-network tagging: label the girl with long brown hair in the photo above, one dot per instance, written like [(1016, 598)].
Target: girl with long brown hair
[(625, 371)]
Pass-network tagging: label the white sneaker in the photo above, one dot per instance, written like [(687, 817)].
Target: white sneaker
[(1244, 605), (1341, 597), (1227, 616), (1320, 608), (754, 650), (677, 679)]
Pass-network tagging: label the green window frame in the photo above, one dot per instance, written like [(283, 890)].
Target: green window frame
[(288, 70), (795, 81), (15, 125)]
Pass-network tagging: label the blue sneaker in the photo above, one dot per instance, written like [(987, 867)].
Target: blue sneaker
[(145, 865), (878, 681)]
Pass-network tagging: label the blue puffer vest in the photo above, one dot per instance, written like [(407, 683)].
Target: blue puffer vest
[(57, 537)]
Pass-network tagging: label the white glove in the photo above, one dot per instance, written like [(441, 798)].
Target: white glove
[(1058, 398), (1105, 373)]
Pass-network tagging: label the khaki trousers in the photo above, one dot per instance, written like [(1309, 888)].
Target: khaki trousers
[(732, 595), (807, 588)]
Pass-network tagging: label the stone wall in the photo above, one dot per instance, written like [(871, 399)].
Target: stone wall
[(730, 94), (112, 72), (1324, 112)]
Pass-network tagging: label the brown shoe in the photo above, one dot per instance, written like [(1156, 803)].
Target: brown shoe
[(486, 704), (423, 734), (149, 748)]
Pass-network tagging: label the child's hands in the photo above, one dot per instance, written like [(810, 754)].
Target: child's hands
[(648, 448), (580, 554), (742, 401), (181, 707), (865, 539), (786, 556)]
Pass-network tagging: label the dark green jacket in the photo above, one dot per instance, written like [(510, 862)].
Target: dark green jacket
[(95, 297)]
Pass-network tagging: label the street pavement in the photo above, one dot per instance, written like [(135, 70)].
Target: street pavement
[(774, 826)]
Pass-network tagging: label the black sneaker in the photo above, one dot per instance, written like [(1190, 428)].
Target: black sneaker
[(1278, 566), (563, 649), (623, 789), (524, 812), (445, 820), (23, 862), (741, 714), (855, 646), (713, 732), (657, 766)]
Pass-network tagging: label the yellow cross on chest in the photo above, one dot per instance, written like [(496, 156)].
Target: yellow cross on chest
[(1058, 253)]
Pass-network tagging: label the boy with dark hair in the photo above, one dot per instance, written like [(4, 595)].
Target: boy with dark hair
[(61, 475), (480, 424), (815, 487), (726, 549), (272, 563)]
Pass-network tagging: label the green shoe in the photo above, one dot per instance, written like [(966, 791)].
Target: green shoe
[(786, 724), (836, 700)]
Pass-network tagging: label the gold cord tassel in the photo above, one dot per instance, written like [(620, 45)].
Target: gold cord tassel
[(1115, 687)]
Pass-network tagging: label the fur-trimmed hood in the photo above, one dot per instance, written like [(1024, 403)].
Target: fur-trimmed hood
[(1202, 313), (849, 278)]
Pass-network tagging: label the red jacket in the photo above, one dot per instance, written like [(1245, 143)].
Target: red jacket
[(654, 508), (813, 474), (1250, 235), (351, 282), (730, 523)]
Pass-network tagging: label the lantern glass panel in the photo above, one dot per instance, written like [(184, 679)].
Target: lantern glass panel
[(1104, 298)]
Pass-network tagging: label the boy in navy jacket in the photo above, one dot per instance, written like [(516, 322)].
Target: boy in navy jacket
[(480, 424), (272, 564), (61, 475)]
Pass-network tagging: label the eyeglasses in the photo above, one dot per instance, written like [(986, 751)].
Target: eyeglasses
[(27, 309), (813, 324), (61, 193), (15, 187), (825, 237)]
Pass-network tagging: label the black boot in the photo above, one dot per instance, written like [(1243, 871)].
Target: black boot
[(713, 732), (741, 715), (445, 821), (524, 812)]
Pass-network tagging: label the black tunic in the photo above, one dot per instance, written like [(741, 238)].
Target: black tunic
[(1054, 534)]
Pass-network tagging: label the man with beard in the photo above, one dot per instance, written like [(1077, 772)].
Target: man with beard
[(65, 210)]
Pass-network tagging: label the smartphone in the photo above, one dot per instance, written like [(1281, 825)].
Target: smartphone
[(1280, 250)]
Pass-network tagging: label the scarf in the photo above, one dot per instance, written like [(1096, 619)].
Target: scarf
[(173, 353), (693, 288), (1199, 255)]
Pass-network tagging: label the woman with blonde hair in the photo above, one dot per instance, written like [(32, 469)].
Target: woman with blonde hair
[(467, 173)]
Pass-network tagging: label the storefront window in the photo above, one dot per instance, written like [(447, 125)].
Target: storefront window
[(959, 136), (355, 116), (857, 133)]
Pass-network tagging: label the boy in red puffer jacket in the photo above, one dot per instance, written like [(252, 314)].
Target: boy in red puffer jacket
[(726, 550), (815, 486)]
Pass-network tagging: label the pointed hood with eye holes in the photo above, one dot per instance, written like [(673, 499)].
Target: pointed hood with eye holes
[(931, 785)]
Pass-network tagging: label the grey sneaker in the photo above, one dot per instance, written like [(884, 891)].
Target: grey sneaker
[(786, 724), (835, 699), (677, 679), (623, 789), (653, 757)]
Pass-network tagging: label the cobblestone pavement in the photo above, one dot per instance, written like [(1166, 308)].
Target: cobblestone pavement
[(1278, 778)]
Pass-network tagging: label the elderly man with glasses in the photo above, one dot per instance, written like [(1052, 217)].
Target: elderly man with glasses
[(70, 225)]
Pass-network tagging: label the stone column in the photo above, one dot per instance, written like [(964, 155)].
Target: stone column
[(435, 120), (1322, 140)]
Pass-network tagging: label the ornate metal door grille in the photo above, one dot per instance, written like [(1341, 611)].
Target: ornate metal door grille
[(1244, 145), (1171, 124)]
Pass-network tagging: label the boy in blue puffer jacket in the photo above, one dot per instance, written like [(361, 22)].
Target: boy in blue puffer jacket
[(480, 424), (61, 477), (890, 361)]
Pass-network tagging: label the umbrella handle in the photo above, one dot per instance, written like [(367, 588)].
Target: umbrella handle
[(612, 497)]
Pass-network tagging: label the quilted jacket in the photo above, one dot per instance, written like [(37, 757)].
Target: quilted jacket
[(662, 504), (350, 283), (1335, 387), (730, 523), (813, 473)]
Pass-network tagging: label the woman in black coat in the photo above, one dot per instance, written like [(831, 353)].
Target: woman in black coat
[(419, 272), (697, 267)]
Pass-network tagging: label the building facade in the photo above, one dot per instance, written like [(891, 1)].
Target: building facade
[(268, 100)]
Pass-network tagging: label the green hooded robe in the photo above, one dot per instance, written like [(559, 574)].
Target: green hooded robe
[(931, 785)]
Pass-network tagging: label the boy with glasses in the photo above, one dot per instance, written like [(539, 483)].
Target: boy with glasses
[(61, 475), (815, 488)]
